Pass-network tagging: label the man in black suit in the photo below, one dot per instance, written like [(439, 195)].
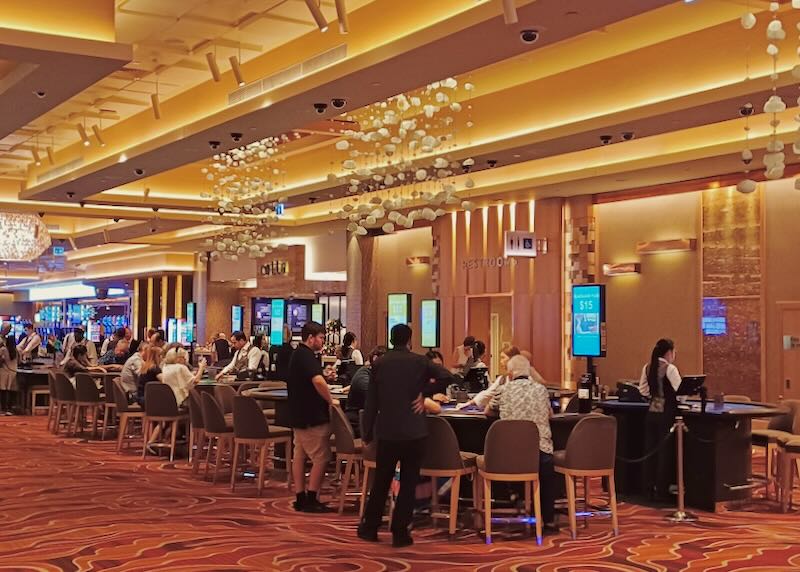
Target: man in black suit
[(394, 414)]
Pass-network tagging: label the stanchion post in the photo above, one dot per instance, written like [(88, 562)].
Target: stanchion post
[(680, 515)]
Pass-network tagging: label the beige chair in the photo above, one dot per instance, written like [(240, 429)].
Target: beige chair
[(127, 413), (160, 410), (511, 454), (218, 431), (443, 458), (789, 464), (781, 426), (251, 429), (591, 452), (65, 393), (348, 451), (87, 399)]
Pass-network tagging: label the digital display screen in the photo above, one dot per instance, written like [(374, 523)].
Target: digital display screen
[(298, 315), (588, 320), (318, 313), (399, 312), (715, 317), (172, 330), (191, 312), (429, 323), (262, 311), (278, 310), (236, 318)]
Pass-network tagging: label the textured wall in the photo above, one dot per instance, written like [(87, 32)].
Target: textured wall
[(220, 297)]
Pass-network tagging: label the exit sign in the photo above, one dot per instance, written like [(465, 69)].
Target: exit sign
[(58, 251)]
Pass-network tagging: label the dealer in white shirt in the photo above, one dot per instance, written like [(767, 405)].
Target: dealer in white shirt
[(245, 358), (77, 338), (28, 347)]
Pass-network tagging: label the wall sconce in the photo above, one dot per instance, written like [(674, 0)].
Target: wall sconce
[(418, 260), (622, 269), (661, 246)]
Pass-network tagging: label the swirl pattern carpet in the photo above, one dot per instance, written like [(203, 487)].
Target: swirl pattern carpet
[(72, 505)]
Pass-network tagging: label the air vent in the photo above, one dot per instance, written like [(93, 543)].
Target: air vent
[(58, 171), (288, 75)]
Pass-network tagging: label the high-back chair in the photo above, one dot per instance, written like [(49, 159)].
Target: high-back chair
[(348, 451), (51, 412), (160, 409), (126, 412), (109, 406), (66, 402), (224, 395), (87, 398), (511, 454), (572, 405), (443, 458), (785, 425), (788, 465), (197, 432), (217, 430), (591, 452), (251, 428)]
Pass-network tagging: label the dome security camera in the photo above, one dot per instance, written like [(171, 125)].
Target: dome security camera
[(320, 108), (338, 103), (628, 135), (236, 137), (214, 144), (138, 172), (70, 194), (529, 36), (605, 139), (41, 94)]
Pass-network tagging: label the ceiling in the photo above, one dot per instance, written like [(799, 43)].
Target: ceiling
[(664, 79)]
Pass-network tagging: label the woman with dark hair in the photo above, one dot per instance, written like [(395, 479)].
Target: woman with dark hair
[(357, 396), (8, 373), (79, 362), (349, 352), (660, 381), (261, 342)]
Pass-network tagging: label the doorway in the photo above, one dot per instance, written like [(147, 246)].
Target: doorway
[(489, 320), (790, 352)]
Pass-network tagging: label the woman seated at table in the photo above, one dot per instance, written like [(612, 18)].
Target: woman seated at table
[(177, 375), (357, 390), (79, 362), (150, 370), (523, 398), (483, 398)]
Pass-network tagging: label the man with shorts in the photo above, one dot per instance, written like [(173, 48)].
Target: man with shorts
[(309, 407)]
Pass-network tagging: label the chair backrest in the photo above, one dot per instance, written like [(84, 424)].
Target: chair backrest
[(370, 451), (108, 389), (247, 385), (738, 398), (159, 400), (442, 452), (213, 418), (572, 405), (787, 421), (120, 396), (195, 409), (64, 388), (51, 384), (86, 389), (343, 434), (249, 421), (224, 395), (592, 445), (512, 447)]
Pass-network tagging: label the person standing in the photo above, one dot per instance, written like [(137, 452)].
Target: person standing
[(462, 356), (8, 371), (394, 416), (28, 348), (309, 411), (77, 338)]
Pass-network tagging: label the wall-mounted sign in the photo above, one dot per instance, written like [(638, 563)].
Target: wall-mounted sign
[(236, 318), (191, 322), (519, 243), (429, 323), (588, 320), (58, 251), (275, 268), (277, 316), (399, 312), (318, 313), (494, 262)]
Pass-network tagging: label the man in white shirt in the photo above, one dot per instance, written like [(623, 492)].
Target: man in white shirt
[(77, 338), (130, 371), (29, 345), (246, 358)]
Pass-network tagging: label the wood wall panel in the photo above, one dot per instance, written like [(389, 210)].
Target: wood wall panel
[(476, 278), (461, 250), (494, 248), (505, 273), (547, 310)]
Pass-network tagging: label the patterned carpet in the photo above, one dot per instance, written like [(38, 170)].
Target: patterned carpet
[(72, 505)]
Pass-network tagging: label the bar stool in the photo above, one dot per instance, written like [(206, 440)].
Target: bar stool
[(125, 411), (507, 459), (348, 450), (35, 393), (161, 408), (780, 426), (87, 397), (197, 432), (250, 427), (216, 428), (789, 463), (591, 452), (109, 406), (65, 392), (443, 458)]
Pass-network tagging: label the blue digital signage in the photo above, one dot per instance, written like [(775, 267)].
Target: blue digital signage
[(277, 313), (588, 320), (236, 318), (715, 317)]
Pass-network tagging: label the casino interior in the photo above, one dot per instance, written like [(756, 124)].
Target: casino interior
[(594, 204)]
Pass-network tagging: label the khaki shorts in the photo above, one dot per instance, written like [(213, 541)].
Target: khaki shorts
[(314, 443)]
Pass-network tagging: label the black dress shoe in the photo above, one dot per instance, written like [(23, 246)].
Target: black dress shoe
[(367, 534), (314, 506), (402, 540), (300, 503)]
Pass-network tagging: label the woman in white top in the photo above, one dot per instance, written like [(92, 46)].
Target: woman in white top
[(349, 351), (176, 374)]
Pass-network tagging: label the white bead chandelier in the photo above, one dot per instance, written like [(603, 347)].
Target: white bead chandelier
[(23, 237)]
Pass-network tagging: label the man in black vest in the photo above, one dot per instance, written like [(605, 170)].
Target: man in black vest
[(394, 414)]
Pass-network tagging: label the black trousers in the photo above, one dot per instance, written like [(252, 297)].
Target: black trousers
[(547, 487), (660, 471), (409, 454)]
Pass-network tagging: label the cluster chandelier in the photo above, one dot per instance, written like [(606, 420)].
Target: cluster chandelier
[(23, 237), (397, 158)]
